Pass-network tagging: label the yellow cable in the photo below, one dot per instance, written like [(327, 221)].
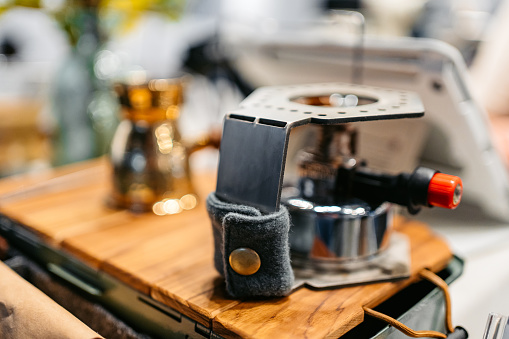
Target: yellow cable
[(402, 327), (435, 279)]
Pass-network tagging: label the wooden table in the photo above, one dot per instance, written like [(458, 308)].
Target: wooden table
[(169, 258)]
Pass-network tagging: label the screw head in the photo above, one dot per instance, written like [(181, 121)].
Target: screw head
[(457, 194)]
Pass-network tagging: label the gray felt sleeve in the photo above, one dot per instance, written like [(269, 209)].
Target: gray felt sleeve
[(235, 226)]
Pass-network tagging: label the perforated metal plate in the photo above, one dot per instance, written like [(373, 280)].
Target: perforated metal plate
[(275, 104), (255, 136)]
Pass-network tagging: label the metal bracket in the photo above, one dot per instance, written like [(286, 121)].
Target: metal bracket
[(255, 137)]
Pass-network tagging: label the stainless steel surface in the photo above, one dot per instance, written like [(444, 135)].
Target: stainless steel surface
[(335, 239), (276, 104), (391, 264), (323, 237), (255, 137), (496, 327)]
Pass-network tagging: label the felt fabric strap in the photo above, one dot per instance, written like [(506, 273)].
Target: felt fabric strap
[(239, 226)]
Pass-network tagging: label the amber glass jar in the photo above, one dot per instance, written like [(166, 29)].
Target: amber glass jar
[(149, 159)]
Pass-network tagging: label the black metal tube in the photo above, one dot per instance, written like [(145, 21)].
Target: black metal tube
[(410, 190)]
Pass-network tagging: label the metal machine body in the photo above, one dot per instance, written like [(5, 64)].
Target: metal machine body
[(341, 218), (458, 139), (255, 137)]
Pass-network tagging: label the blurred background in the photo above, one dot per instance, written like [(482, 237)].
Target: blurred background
[(59, 60)]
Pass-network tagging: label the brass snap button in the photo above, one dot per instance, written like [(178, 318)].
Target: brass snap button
[(245, 261)]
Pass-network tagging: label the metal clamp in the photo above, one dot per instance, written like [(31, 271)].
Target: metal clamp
[(255, 137)]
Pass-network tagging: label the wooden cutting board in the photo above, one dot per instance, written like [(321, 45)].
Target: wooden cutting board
[(170, 257)]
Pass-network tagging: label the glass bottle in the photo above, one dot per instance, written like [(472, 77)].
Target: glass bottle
[(149, 159), (82, 103)]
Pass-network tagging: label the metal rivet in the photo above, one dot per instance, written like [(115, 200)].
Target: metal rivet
[(457, 194), (245, 261)]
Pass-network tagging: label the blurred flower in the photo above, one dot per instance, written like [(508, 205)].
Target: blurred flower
[(115, 16), (124, 15)]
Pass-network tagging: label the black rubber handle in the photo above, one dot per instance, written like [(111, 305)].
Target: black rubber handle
[(406, 189)]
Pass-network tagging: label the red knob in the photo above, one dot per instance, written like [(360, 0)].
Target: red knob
[(445, 191)]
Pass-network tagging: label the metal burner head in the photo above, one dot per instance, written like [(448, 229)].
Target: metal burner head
[(324, 236)]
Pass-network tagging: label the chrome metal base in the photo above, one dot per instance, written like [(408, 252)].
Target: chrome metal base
[(390, 264), (337, 234), (351, 243)]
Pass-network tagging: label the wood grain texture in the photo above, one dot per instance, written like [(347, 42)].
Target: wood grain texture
[(25, 182), (56, 200), (118, 236), (154, 258), (197, 291), (170, 258), (60, 212), (329, 314)]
